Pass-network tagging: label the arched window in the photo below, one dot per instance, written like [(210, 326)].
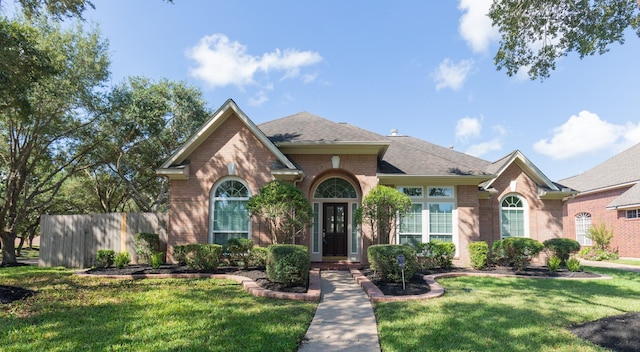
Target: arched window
[(229, 215), (583, 223), (335, 188), (513, 217)]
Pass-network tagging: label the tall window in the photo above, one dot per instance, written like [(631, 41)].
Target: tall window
[(513, 217), (230, 217), (441, 222), (411, 225), (583, 223)]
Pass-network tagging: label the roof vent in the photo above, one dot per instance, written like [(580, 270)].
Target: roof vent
[(394, 132)]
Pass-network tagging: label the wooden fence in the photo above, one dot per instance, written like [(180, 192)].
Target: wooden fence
[(72, 241)]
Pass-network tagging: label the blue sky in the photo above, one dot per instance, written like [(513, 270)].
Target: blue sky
[(422, 67)]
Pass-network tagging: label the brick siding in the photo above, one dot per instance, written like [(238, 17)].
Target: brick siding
[(626, 232)]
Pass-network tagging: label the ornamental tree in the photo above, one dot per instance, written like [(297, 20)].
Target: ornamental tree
[(381, 208), (284, 208)]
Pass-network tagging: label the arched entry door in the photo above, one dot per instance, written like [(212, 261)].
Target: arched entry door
[(335, 234)]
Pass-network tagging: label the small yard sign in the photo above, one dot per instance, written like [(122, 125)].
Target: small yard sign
[(401, 261)]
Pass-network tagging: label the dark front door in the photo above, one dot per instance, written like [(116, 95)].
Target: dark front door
[(334, 231)]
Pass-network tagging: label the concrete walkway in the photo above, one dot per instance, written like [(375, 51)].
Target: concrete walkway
[(344, 320), (626, 267)]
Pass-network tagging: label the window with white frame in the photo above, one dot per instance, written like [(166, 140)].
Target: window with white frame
[(229, 215), (411, 225), (412, 192), (633, 213), (441, 221), (513, 217), (583, 223), (440, 192)]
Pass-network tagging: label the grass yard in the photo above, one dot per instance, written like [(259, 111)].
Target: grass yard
[(626, 261), (71, 313), (506, 314)]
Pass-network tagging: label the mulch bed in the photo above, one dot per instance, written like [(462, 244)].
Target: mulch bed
[(619, 333), (256, 274)]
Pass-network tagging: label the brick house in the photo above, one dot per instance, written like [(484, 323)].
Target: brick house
[(456, 197), (609, 193)]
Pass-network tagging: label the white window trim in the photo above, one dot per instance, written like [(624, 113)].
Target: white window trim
[(401, 189), (587, 241), (212, 202), (525, 214)]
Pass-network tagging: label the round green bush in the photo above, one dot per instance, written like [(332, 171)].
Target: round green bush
[(479, 254), (384, 260), (562, 248), (288, 264), (105, 258), (515, 251), (122, 259), (237, 250)]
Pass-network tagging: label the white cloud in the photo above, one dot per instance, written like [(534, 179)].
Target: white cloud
[(452, 75), (494, 144), (259, 99), (468, 127), (221, 62), (484, 148), (583, 134), (475, 25)]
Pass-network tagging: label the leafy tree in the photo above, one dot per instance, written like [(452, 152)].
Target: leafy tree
[(535, 33), (145, 122), (285, 209), (600, 235), (46, 131), (59, 9), (380, 210)]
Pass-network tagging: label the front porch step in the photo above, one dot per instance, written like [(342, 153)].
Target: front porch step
[(338, 265)]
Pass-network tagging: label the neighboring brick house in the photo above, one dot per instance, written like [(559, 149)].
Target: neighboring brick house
[(456, 197), (609, 193)]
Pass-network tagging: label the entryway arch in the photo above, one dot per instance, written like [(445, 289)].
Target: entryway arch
[(335, 237)]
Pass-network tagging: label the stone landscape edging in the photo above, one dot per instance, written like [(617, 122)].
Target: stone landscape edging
[(436, 290), (312, 294)]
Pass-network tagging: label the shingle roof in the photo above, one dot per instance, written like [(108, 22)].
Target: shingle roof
[(621, 169), (306, 127), (405, 155), (414, 156), (627, 199)]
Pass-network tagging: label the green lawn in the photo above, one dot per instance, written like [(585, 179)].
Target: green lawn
[(506, 314), (627, 261), (72, 313)]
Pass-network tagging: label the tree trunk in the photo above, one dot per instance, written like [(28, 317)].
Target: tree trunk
[(8, 248)]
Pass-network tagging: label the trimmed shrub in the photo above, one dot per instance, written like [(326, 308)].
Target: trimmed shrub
[(180, 254), (288, 264), (435, 254), (384, 261), (157, 259), (258, 257), (515, 251), (479, 254), (104, 258), (562, 248), (553, 264), (237, 251), (203, 256), (122, 259), (597, 254), (146, 245), (573, 264)]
